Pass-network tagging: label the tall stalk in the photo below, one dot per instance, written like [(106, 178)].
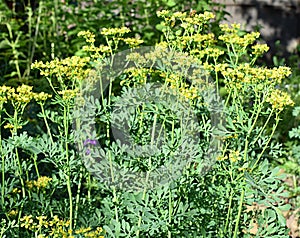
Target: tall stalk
[(68, 172)]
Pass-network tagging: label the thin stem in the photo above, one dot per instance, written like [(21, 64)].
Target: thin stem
[(89, 187), (46, 123), (277, 119), (68, 174), (170, 213), (78, 196), (147, 175), (263, 128), (35, 165), (3, 162), (229, 211), (239, 214), (16, 125)]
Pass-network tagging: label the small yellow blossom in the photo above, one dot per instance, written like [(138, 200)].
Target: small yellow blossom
[(26, 221), (234, 156), (279, 99), (29, 184), (83, 230), (13, 213), (179, 15), (42, 182), (115, 31), (163, 13), (9, 126), (41, 96), (221, 158), (259, 49), (132, 42), (89, 37), (68, 94)]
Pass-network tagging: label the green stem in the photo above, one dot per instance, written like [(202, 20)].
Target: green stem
[(229, 211), (46, 122), (277, 119), (78, 196), (147, 175), (3, 163), (68, 174), (35, 165), (239, 214), (16, 125), (89, 187), (263, 128), (170, 213), (20, 172)]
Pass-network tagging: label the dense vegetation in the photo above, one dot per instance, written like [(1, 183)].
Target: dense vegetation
[(144, 119)]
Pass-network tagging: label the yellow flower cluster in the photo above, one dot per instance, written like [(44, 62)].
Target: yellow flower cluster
[(178, 15), (260, 49), (42, 96), (204, 39), (56, 227), (87, 35), (233, 156), (192, 19), (180, 88), (72, 68), (4, 91), (165, 13), (231, 35), (230, 29), (279, 100), (132, 42), (21, 95), (221, 67), (115, 31), (41, 183), (245, 73), (96, 50), (135, 76), (137, 58), (68, 94), (199, 19), (213, 52), (11, 126), (13, 213)]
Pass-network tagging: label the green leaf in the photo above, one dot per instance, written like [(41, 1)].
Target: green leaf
[(171, 3), (285, 207), (108, 230)]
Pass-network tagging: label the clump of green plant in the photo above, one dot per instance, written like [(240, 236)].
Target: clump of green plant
[(235, 192), (43, 30)]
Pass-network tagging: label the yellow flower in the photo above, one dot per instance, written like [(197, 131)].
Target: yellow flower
[(163, 13), (83, 230), (41, 96), (259, 49), (89, 37), (26, 221), (42, 182), (234, 156), (9, 126), (221, 158), (179, 15), (29, 184), (115, 31), (68, 94), (279, 99), (132, 42), (22, 95), (13, 213)]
